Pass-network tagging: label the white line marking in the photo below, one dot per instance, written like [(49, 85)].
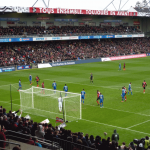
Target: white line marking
[(109, 87), (116, 126), (138, 124), (100, 123), (120, 110)]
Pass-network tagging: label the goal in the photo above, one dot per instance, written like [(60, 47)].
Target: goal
[(44, 102)]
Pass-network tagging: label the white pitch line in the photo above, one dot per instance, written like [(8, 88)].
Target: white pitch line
[(11, 84), (116, 126), (109, 87), (119, 110), (138, 124), (101, 123)]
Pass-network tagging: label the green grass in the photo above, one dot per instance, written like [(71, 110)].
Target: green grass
[(130, 118)]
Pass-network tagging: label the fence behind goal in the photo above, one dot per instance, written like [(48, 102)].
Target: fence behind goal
[(44, 102)]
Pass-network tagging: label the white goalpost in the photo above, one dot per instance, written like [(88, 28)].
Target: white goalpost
[(44, 102)]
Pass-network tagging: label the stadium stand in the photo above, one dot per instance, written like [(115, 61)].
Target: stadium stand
[(23, 130), (69, 30), (56, 51)]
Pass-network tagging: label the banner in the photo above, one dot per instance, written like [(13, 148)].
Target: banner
[(136, 22), (129, 36), (59, 120), (36, 23), (127, 57), (112, 20), (67, 20), (46, 65), (55, 64), (97, 37), (80, 11), (16, 40), (9, 19), (7, 69), (23, 67), (43, 18), (148, 54), (106, 59)]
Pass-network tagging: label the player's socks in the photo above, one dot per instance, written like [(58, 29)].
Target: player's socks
[(83, 101), (128, 93), (131, 93)]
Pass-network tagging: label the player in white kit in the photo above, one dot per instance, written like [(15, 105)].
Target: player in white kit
[(60, 100)]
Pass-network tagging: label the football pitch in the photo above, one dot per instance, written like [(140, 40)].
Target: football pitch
[(131, 119)]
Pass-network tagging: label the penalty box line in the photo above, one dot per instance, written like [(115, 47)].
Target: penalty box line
[(138, 124), (109, 87), (116, 127), (99, 123)]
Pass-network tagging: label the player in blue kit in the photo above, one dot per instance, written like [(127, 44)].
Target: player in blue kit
[(65, 89), (83, 96), (123, 94), (20, 86), (119, 66), (30, 79), (101, 97), (54, 85), (129, 89)]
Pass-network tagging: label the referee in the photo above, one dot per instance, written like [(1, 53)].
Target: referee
[(91, 78)]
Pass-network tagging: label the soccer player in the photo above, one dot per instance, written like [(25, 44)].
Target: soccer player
[(123, 94), (60, 100), (43, 88), (83, 94), (98, 93), (129, 89), (30, 79), (119, 66), (37, 80), (124, 66), (20, 86), (65, 89), (144, 84), (101, 97), (91, 78), (54, 85)]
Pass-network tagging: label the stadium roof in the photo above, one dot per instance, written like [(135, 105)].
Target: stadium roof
[(74, 4)]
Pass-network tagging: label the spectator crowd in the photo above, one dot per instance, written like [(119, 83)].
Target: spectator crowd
[(38, 30), (24, 53), (44, 131)]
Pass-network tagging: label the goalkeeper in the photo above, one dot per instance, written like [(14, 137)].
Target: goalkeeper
[(60, 100)]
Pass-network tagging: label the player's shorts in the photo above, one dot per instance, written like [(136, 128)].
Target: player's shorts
[(82, 97), (98, 98), (122, 95), (54, 87), (60, 104), (66, 91), (42, 88), (91, 78), (20, 86), (129, 89), (101, 101), (143, 87), (30, 80)]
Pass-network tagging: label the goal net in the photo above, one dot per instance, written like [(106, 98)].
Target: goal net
[(44, 102)]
